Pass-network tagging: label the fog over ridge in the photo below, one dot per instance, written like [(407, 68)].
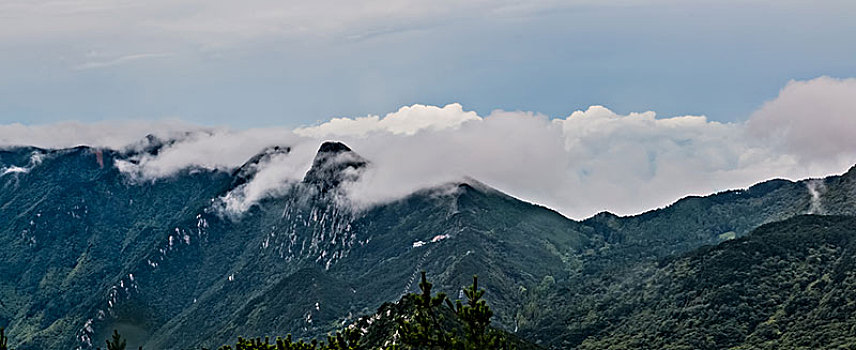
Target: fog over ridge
[(592, 160)]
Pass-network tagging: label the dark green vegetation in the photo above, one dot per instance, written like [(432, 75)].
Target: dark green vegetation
[(417, 321), (787, 285), (116, 342), (88, 250)]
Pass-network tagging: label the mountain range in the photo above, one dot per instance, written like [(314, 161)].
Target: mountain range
[(88, 249)]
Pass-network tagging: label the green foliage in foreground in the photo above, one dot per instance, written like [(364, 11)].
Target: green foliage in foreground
[(429, 321), (117, 343), (426, 330)]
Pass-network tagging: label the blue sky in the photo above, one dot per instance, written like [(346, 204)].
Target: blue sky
[(288, 63)]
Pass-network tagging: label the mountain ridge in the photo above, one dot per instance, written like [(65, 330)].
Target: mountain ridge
[(117, 243)]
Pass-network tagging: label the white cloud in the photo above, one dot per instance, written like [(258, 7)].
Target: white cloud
[(407, 120), (592, 160), (226, 150), (107, 134), (814, 120), (275, 175), (221, 149), (596, 159)]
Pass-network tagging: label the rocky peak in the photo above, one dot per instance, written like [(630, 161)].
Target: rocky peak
[(334, 164)]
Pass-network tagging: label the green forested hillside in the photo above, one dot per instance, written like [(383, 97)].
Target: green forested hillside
[(695, 221), (73, 232), (787, 285)]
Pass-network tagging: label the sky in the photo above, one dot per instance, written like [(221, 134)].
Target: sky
[(296, 63), (581, 106)]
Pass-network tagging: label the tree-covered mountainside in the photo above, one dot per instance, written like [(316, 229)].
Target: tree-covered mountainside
[(787, 285), (89, 249)]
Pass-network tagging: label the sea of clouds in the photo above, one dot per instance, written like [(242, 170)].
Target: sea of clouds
[(590, 161)]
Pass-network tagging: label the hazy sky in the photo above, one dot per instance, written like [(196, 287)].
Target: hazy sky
[(292, 63)]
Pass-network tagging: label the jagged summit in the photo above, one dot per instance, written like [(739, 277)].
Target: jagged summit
[(334, 164), (333, 147)]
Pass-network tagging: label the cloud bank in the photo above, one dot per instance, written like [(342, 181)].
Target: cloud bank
[(407, 121), (590, 161), (113, 135), (813, 119)]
